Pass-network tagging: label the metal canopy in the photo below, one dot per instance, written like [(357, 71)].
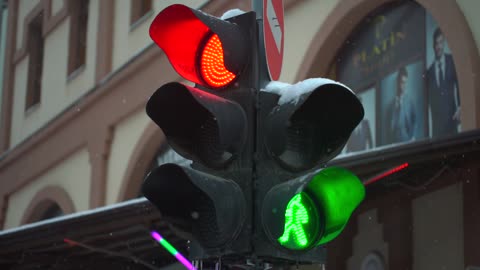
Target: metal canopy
[(112, 237)]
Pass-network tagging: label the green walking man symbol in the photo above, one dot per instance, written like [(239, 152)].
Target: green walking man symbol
[(296, 215)]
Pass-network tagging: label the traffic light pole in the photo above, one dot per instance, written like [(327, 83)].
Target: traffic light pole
[(258, 8), (263, 77)]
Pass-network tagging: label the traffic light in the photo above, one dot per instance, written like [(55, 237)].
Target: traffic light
[(257, 187), (211, 124), (302, 205), (202, 48)]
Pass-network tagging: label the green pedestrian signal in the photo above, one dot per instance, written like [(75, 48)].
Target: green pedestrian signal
[(312, 210), (301, 223)]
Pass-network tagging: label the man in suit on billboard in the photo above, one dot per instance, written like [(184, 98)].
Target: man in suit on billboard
[(361, 137), (403, 116), (442, 86)]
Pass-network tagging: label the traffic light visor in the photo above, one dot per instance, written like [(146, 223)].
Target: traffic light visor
[(203, 204), (338, 192), (304, 134), (200, 126)]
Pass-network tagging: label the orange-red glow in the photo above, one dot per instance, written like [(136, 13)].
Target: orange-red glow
[(212, 66)]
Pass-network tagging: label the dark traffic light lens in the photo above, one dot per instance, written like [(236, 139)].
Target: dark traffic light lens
[(302, 135), (198, 125), (209, 207), (212, 65)]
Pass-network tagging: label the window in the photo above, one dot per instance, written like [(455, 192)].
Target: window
[(43, 210), (78, 34), (52, 211), (138, 9), (35, 63), (3, 39)]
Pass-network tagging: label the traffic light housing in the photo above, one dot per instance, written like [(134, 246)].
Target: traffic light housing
[(257, 187), (299, 134), (211, 124)]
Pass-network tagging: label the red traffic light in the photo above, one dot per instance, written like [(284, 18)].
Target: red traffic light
[(201, 48), (212, 66)]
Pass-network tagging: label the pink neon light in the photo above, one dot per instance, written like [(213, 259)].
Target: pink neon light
[(184, 261), (172, 250), (156, 236), (385, 174)]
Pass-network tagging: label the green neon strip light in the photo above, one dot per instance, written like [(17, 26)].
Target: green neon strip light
[(168, 247)]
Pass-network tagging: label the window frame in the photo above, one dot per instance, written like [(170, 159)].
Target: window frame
[(78, 36), (35, 63), (139, 9)]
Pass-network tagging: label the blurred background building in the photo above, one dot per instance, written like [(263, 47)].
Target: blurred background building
[(76, 75)]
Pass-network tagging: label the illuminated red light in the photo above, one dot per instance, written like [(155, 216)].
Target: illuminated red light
[(385, 174), (212, 66)]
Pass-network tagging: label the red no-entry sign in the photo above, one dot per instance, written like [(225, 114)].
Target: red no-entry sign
[(273, 33)]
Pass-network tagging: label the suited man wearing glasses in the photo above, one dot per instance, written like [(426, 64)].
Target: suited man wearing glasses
[(442, 86)]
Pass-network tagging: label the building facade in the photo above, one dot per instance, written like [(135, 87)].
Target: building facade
[(74, 135)]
